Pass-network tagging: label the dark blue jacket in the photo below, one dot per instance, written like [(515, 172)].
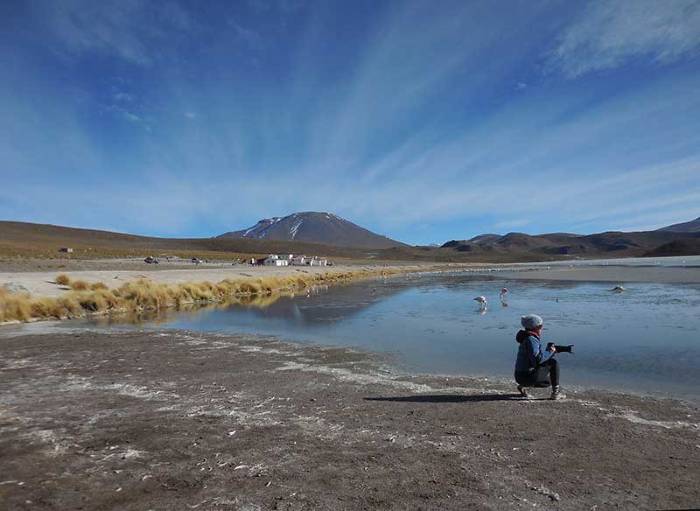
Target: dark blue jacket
[(530, 352)]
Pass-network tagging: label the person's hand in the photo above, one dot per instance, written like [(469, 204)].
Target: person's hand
[(553, 349)]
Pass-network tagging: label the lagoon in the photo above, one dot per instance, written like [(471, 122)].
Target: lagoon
[(645, 340)]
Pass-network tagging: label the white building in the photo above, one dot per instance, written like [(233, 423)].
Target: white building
[(315, 261), (299, 260), (275, 260)]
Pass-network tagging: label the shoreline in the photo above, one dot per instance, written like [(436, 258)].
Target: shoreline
[(168, 419), (36, 296)]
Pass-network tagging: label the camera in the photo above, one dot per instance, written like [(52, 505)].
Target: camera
[(560, 347)]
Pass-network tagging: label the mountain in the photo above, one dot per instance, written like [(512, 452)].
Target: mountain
[(313, 227), (692, 226), (517, 246)]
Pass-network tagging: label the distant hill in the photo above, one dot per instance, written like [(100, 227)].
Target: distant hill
[(519, 246), (23, 239), (44, 240), (677, 248), (692, 226), (313, 227)]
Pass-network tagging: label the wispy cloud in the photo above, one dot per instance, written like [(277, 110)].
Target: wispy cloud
[(132, 30), (123, 97), (415, 54), (128, 114), (609, 33)]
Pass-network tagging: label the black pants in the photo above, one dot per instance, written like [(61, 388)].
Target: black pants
[(546, 374)]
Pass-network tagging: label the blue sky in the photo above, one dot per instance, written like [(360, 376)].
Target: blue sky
[(425, 121)]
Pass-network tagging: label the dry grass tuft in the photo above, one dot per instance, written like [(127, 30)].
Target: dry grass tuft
[(101, 300), (146, 295), (14, 306), (79, 285), (63, 279)]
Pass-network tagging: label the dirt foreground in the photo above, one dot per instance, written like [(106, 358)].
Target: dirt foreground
[(166, 420)]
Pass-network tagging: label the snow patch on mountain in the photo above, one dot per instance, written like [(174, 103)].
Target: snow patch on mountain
[(295, 228)]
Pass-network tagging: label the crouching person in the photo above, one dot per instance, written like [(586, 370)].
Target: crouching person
[(535, 367)]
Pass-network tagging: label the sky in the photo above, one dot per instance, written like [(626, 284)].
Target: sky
[(424, 121)]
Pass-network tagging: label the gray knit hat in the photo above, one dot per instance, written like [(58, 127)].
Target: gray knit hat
[(531, 321)]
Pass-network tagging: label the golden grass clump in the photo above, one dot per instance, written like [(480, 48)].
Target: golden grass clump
[(247, 288), (62, 279), (67, 307), (145, 294), (196, 292), (100, 300), (14, 306), (79, 285), (98, 285), (45, 308)]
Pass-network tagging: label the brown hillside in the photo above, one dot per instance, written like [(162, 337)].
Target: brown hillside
[(43, 241)]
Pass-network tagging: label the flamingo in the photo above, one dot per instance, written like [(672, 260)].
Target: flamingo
[(483, 303), (503, 296)]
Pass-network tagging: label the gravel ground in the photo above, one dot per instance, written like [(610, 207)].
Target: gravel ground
[(142, 420)]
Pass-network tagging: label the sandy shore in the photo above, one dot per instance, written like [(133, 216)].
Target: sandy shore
[(32, 264), (174, 420), (42, 283)]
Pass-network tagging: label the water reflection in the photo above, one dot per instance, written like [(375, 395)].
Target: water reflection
[(191, 310), (319, 305)]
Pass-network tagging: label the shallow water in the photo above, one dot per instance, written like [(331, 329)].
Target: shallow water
[(645, 340)]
